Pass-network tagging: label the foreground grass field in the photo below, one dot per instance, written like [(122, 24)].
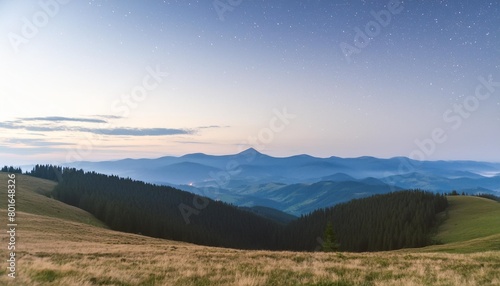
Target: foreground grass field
[(54, 250)]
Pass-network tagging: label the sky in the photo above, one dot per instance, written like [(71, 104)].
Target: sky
[(105, 80)]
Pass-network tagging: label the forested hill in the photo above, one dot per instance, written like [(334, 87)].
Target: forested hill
[(382, 222), (158, 211)]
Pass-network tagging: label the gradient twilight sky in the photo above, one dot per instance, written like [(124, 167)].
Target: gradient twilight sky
[(87, 80)]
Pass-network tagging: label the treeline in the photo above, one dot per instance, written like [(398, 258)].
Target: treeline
[(12, 170), (48, 172), (481, 195), (382, 222), (489, 196), (455, 193)]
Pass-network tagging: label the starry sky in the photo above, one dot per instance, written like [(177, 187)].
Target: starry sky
[(100, 80)]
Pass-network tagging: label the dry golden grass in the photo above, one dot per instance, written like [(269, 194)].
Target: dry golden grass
[(54, 251)]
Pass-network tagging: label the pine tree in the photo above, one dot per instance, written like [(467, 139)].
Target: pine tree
[(329, 241)]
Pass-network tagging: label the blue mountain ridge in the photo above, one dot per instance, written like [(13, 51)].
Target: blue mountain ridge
[(301, 183)]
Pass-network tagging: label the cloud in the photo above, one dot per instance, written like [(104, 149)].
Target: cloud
[(35, 142), (63, 119), (138, 131), (214, 126), (17, 125), (109, 116), (10, 125), (120, 131)]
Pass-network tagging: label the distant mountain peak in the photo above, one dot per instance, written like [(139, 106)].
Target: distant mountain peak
[(250, 150)]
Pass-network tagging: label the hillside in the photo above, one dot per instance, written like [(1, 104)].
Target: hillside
[(68, 253), (383, 222), (59, 251), (469, 218), (33, 196), (390, 221), (164, 212)]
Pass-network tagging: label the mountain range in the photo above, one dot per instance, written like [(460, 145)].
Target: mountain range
[(300, 184)]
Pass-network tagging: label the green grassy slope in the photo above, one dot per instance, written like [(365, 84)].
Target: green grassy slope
[(471, 225), (31, 197), (469, 218)]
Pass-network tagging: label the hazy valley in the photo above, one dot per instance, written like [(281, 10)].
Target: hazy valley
[(300, 184)]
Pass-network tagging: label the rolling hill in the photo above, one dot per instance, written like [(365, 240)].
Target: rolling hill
[(469, 218), (60, 251), (470, 225)]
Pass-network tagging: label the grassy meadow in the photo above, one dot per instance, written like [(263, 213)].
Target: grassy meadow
[(62, 245), (469, 218)]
